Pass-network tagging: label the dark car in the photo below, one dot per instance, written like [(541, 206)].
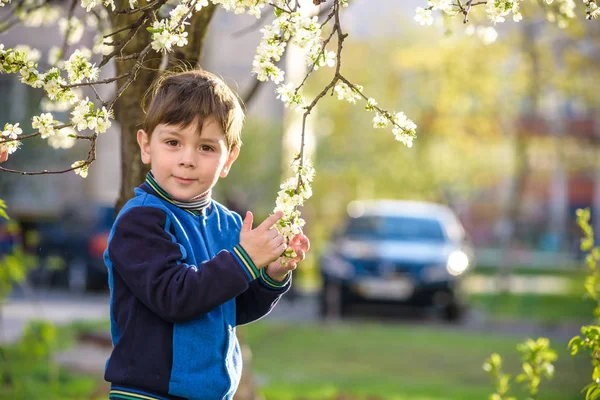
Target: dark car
[(396, 252), (71, 249)]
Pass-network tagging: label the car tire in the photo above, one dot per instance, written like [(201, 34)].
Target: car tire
[(453, 312), (77, 275), (332, 305)]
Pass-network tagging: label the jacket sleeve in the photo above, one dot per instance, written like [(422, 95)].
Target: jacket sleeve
[(260, 298), (145, 255)]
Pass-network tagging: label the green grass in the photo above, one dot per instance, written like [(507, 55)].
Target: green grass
[(539, 308), (557, 270), (26, 375), (361, 361)]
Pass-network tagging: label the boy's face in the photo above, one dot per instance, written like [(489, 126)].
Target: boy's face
[(184, 163)]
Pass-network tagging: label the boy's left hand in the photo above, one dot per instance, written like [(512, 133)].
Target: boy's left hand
[(300, 244)]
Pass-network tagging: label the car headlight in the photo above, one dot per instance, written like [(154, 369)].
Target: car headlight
[(458, 262)]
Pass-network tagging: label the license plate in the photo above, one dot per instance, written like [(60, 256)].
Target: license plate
[(391, 289)]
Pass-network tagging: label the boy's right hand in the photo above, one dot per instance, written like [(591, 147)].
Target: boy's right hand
[(264, 244)]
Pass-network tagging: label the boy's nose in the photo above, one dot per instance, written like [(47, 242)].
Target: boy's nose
[(187, 159)]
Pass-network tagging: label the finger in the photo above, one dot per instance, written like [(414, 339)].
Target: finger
[(4, 156), (270, 221), (291, 265), (273, 233), (304, 243), (279, 240), (247, 224), (295, 240), (300, 255), (281, 248)]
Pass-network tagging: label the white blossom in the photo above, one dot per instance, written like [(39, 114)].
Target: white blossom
[(89, 4), (344, 92), (83, 116), (200, 4), (54, 55), (63, 138), (11, 132), (423, 16), (41, 16), (250, 7), (289, 97), (294, 192), (379, 121), (75, 29), (32, 55), (444, 5), (99, 45), (592, 10), (164, 36), (371, 103), (79, 68), (81, 168), (44, 123)]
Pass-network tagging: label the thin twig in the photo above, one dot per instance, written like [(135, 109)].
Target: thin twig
[(466, 12), (102, 82), (91, 158), (150, 6), (56, 127)]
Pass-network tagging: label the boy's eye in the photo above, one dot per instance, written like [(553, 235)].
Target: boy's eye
[(172, 142), (206, 148)]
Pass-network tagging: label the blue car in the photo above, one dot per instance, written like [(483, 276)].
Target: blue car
[(71, 249), (397, 252)]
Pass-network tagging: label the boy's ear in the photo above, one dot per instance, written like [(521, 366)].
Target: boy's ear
[(144, 143), (233, 155)]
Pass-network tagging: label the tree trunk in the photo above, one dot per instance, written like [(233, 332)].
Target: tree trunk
[(128, 111), (129, 114)]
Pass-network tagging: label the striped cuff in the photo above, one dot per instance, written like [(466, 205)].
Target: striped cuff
[(246, 262), (271, 283), (131, 394)]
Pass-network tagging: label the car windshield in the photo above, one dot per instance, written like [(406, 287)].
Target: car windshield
[(396, 228)]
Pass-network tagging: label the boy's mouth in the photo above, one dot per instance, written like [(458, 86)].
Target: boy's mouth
[(184, 180)]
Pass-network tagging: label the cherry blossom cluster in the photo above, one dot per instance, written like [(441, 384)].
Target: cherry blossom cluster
[(11, 132), (294, 192), (404, 130), (84, 116), (592, 10)]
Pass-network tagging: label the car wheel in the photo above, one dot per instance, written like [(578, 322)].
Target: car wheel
[(453, 312), (332, 301), (77, 275)]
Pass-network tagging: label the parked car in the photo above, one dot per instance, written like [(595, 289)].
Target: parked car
[(397, 252), (9, 236), (70, 250)]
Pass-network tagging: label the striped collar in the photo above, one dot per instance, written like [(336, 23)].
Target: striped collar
[(195, 206)]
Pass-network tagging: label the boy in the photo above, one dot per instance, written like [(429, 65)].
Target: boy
[(184, 271)]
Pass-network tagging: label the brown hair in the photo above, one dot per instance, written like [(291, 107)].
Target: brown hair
[(180, 98)]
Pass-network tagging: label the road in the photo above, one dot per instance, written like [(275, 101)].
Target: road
[(62, 307)]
